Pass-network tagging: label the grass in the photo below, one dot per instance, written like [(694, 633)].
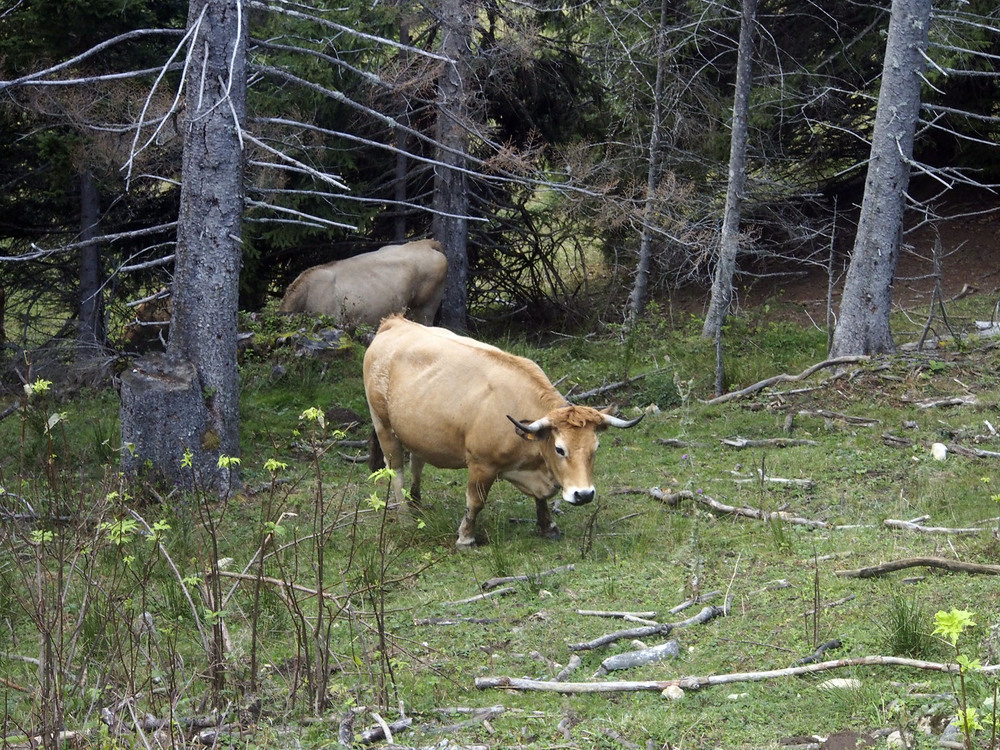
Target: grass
[(391, 631)]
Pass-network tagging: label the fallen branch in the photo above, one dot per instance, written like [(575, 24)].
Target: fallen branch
[(818, 653), (808, 483), (638, 658), (492, 583), (695, 600), (622, 615), (955, 566), (741, 443), (706, 614), (674, 498), (601, 390), (785, 378), (384, 731), (480, 597), (826, 414), (697, 683), (893, 523), (642, 632), (932, 403), (574, 664), (952, 447), (453, 620)]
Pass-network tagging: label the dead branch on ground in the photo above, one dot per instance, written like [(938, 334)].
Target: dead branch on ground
[(697, 683), (601, 390), (816, 655), (961, 450), (894, 523), (955, 566), (492, 583), (850, 419), (674, 498), (480, 597), (931, 403), (785, 378), (706, 614), (808, 483), (741, 443)]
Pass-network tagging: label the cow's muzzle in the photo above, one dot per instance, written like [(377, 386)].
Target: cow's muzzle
[(580, 496)]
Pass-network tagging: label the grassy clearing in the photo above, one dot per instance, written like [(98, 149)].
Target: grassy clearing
[(132, 599)]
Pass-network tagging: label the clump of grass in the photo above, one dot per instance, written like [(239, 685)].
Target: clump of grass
[(904, 629)]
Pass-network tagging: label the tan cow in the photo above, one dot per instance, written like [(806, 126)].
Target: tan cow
[(366, 288), (455, 402)]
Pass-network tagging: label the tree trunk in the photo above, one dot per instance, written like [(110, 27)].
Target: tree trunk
[(451, 197), (863, 325), (206, 272), (640, 289), (90, 335), (402, 163), (725, 269)]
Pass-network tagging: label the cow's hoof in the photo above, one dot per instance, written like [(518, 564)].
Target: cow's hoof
[(465, 546), (553, 532)]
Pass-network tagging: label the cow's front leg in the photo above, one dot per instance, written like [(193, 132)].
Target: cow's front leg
[(545, 522), (478, 488)]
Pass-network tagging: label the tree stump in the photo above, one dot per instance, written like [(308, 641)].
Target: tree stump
[(164, 415)]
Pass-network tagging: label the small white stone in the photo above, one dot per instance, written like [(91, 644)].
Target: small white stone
[(672, 693), (737, 696), (939, 451), (895, 741), (840, 683)]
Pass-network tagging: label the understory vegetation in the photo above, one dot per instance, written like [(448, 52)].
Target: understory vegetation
[(307, 610)]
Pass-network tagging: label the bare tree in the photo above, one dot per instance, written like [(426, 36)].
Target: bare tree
[(722, 286), (863, 323), (637, 299), (91, 331)]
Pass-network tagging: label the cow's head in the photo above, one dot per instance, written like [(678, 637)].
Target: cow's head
[(567, 439)]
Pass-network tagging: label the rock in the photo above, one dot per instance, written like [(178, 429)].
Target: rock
[(939, 451), (673, 693)]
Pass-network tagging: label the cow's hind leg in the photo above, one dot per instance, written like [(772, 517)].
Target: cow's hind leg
[(545, 523), (416, 472), (478, 488), (392, 449)]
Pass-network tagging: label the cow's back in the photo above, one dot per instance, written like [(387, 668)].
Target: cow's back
[(364, 289), (447, 397)]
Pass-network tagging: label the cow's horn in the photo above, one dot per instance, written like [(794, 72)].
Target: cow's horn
[(619, 422), (535, 427)]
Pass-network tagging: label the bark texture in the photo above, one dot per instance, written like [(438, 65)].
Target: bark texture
[(863, 322), (206, 268), (90, 335), (451, 196)]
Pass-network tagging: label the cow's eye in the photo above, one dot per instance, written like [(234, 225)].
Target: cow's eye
[(560, 451)]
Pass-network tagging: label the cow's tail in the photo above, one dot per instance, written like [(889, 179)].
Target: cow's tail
[(376, 458)]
